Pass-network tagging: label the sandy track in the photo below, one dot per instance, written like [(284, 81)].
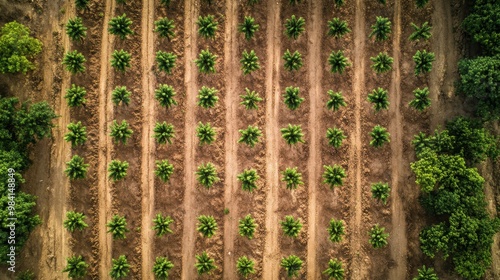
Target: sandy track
[(105, 145), (148, 144), (314, 164), (189, 232)]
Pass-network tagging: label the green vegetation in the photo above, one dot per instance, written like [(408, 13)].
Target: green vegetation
[(204, 264), (162, 265), (120, 26), (336, 100), (291, 226), (381, 29), (381, 63), (337, 28), (294, 2), (425, 273), (292, 178), (76, 168), (292, 134), (164, 132), (120, 60), (482, 25), (249, 62), (81, 4), (250, 136), (421, 100), (164, 170), (380, 136), (76, 267), (120, 268), (165, 27), (77, 134), (165, 95), (74, 62), (162, 224), (74, 221), (335, 136), (378, 237), (75, 29), (250, 99), (17, 48), (206, 175), (75, 95), (381, 191), (334, 175), (248, 179), (207, 26), (336, 230), (338, 62), (293, 61), (206, 133), (248, 27), (379, 98), (421, 3), (120, 95), (291, 98), (206, 62), (245, 266), (252, 2), (292, 265), (166, 61), (423, 61), (120, 132), (247, 226), (117, 227), (334, 270), (207, 226), (207, 97), (421, 32), (382, 2), (117, 169), (294, 27)]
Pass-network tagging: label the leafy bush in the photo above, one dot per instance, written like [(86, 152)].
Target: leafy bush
[(292, 265), (336, 230), (250, 99), (74, 62), (334, 270), (76, 267), (76, 168), (335, 136), (207, 226), (245, 266), (165, 95), (77, 134), (120, 60), (120, 26), (81, 4), (117, 227), (206, 62), (247, 226), (423, 32), (292, 134), (380, 136), (337, 28), (166, 61), (17, 48), (379, 98), (483, 26), (207, 97), (250, 136), (164, 132), (291, 98), (382, 63), (421, 100), (291, 226), (120, 95), (248, 27), (164, 170), (162, 265), (117, 169), (204, 264), (293, 61), (206, 133), (381, 29), (334, 175), (425, 273), (378, 237), (162, 224), (423, 61), (294, 26), (75, 29), (249, 62), (292, 178), (381, 191), (165, 28), (336, 100), (207, 26), (74, 220), (75, 95), (338, 62), (207, 175), (120, 132), (120, 268)]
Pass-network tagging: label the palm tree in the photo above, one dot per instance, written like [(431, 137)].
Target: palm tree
[(421, 3), (77, 134), (378, 237), (334, 270), (117, 169), (162, 224), (74, 61), (76, 168), (76, 267), (206, 62), (75, 29), (421, 100), (334, 175), (291, 98), (381, 29), (207, 97), (380, 99), (164, 132), (207, 226), (420, 142), (118, 227), (294, 27), (164, 170), (248, 27), (207, 175), (336, 230), (120, 26), (338, 28), (166, 61), (206, 133), (338, 62), (249, 62), (120, 132), (120, 95), (165, 28), (335, 136), (162, 267), (120, 60), (381, 191), (81, 4), (292, 178), (423, 61), (74, 220), (245, 266), (120, 268), (250, 136), (248, 179), (75, 95), (207, 26), (292, 134), (336, 100), (293, 61), (204, 264), (291, 226), (292, 265), (425, 273), (250, 99), (382, 63), (423, 32), (247, 226), (380, 136), (165, 95)]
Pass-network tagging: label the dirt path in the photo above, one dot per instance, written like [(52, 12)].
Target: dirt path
[(189, 231), (398, 236), (105, 145), (358, 88), (271, 252), (148, 144), (315, 76), (231, 136)]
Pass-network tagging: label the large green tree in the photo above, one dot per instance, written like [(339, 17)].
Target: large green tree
[(17, 48)]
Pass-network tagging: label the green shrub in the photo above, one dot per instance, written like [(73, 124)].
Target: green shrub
[(17, 48), (482, 25)]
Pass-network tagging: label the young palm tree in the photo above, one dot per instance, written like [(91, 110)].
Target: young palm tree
[(248, 27), (207, 26), (294, 27), (292, 265), (292, 178), (250, 99), (335, 136), (380, 136), (293, 61), (382, 63), (74, 62), (250, 136), (423, 61), (381, 191), (338, 62), (338, 28), (166, 61), (249, 62), (165, 95), (336, 100), (207, 175), (162, 224), (162, 267), (420, 142), (421, 3), (120, 60), (81, 4), (425, 273), (381, 29), (247, 226), (336, 230), (421, 100), (334, 270), (120, 95), (248, 179), (334, 175), (165, 28), (291, 98), (204, 264), (74, 220), (423, 32), (291, 226), (206, 62), (77, 134), (76, 267), (207, 97), (207, 226), (75, 95), (378, 237), (76, 168), (120, 132), (245, 266), (292, 134), (379, 98), (206, 133), (120, 268), (118, 227), (164, 170), (75, 29), (117, 169), (164, 132), (120, 26)]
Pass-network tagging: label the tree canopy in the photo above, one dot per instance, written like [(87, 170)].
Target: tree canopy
[(17, 48)]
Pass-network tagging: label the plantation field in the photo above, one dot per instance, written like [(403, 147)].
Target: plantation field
[(141, 195)]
